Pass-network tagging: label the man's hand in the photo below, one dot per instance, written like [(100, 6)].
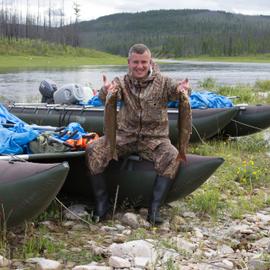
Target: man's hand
[(109, 86), (183, 86)]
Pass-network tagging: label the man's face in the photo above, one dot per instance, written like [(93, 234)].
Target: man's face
[(139, 65)]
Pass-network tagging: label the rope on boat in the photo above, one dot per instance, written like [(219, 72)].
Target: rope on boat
[(198, 134), (247, 125), (72, 213)]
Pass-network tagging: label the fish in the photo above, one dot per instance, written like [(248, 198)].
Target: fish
[(110, 123), (184, 126)]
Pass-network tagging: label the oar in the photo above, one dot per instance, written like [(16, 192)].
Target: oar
[(44, 156), (42, 128)]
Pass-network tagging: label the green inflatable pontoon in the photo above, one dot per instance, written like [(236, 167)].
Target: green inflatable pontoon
[(206, 122), (132, 177), (27, 188), (248, 120)]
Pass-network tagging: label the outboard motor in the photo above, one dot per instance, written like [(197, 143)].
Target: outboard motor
[(47, 89), (69, 94)]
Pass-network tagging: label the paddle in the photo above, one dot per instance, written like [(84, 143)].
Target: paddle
[(42, 128)]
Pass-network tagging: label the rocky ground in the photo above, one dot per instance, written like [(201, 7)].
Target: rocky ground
[(185, 241)]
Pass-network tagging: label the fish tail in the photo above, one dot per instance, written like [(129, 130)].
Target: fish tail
[(115, 156), (178, 158), (181, 157)]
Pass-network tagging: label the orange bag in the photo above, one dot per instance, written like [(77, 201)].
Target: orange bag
[(81, 143)]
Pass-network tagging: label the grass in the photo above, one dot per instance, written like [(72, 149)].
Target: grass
[(11, 62), (26, 53), (259, 58), (259, 93), (235, 186)]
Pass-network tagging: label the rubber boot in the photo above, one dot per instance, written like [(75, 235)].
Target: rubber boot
[(101, 197), (160, 190)]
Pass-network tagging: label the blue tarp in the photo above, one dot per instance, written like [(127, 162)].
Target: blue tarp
[(205, 99), (198, 100), (95, 101), (72, 127), (14, 140)]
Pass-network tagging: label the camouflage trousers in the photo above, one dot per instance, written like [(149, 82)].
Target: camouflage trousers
[(160, 151)]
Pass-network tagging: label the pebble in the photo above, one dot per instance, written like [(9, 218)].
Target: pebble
[(186, 242)]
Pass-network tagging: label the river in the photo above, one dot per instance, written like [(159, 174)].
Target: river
[(23, 85)]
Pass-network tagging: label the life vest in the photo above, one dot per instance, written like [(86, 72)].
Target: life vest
[(80, 144)]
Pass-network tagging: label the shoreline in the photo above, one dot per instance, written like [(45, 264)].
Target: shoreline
[(13, 62)]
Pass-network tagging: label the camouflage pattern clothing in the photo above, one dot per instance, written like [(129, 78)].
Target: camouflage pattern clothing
[(142, 123)]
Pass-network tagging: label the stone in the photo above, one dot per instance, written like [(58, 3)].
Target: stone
[(92, 267), (262, 243), (189, 214), (132, 249), (177, 223), (76, 211), (224, 264), (169, 255), (118, 262), (45, 264), (3, 261), (131, 220), (257, 263), (50, 225), (225, 249), (263, 218), (183, 244), (209, 253), (120, 227), (97, 250), (198, 233), (237, 230), (108, 229), (68, 224), (141, 262), (127, 232), (119, 238), (164, 227)]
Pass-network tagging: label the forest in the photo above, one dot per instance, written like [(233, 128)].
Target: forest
[(169, 33), (180, 33), (51, 25)]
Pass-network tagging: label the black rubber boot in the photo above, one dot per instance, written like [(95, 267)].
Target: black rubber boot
[(161, 187), (101, 197)]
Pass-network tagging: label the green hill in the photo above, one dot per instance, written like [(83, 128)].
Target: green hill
[(176, 33)]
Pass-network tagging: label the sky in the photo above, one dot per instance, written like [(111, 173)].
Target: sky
[(92, 9)]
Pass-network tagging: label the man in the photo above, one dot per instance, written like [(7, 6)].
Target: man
[(142, 127)]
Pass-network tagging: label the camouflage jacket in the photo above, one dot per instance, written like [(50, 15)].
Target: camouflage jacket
[(143, 110)]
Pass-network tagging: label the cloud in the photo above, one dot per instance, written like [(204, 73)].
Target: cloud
[(97, 8)]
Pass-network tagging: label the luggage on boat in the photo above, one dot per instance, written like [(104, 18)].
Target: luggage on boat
[(69, 94), (47, 88)]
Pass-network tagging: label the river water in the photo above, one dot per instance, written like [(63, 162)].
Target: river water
[(23, 85)]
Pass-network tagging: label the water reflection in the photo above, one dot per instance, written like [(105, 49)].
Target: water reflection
[(23, 86)]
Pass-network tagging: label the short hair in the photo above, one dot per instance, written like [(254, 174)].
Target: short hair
[(139, 49)]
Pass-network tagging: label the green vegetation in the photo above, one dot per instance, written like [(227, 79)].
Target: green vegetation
[(182, 33), (251, 94), (25, 53), (252, 58), (241, 184)]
